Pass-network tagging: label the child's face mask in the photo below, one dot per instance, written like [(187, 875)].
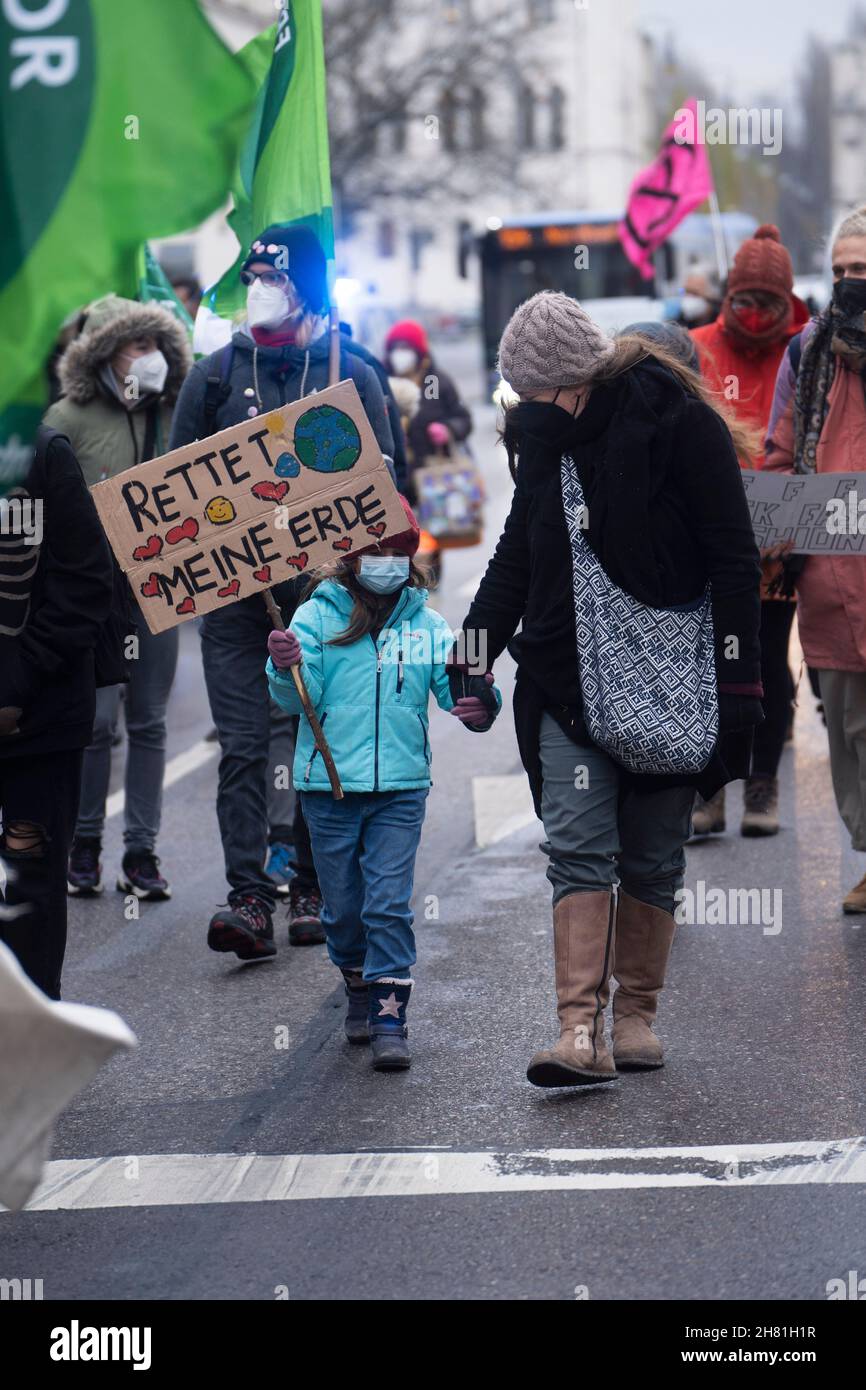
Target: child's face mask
[(383, 574)]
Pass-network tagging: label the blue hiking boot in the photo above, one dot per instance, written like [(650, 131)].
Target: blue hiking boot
[(387, 1021), (281, 867), (358, 996)]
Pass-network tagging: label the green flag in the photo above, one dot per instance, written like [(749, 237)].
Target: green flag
[(154, 287), (119, 122), (284, 171)]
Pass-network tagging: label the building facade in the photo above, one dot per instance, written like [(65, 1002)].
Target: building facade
[(560, 118)]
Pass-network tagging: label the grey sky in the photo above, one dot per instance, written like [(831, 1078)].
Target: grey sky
[(747, 45)]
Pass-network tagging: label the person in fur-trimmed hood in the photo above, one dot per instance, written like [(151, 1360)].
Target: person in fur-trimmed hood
[(120, 379)]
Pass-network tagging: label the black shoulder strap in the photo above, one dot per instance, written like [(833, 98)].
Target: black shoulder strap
[(795, 353), (216, 388)]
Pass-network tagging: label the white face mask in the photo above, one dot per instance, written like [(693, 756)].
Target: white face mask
[(404, 360), (267, 305), (150, 370)]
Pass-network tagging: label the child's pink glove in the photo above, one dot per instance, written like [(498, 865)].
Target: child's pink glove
[(285, 649), (438, 434)]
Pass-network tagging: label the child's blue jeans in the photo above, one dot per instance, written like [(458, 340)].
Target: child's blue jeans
[(364, 850)]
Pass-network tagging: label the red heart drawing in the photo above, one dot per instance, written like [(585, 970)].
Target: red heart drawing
[(377, 530), (299, 561), (263, 575), (187, 530), (148, 551), (344, 544), (231, 589), (150, 588), (188, 606), (270, 492)]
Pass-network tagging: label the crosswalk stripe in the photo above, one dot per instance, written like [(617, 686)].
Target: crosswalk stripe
[(193, 1179), (501, 805)]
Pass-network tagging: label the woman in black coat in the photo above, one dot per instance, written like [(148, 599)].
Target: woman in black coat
[(666, 515), (56, 588)]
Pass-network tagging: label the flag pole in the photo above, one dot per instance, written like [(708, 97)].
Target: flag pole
[(719, 236)]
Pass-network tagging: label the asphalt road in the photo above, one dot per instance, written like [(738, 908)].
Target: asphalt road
[(764, 1032)]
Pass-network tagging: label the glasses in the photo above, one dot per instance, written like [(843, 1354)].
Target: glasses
[(274, 279)]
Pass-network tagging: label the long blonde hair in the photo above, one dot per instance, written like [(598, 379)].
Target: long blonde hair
[(632, 348)]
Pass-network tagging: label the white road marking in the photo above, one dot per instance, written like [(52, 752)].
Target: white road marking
[(502, 805), (178, 767), (194, 1179)]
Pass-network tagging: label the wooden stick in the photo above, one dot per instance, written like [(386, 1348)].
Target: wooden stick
[(318, 733)]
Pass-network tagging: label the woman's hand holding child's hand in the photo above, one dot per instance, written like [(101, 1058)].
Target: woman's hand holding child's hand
[(285, 649), (471, 709)]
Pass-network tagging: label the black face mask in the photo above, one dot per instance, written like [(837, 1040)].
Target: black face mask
[(849, 296)]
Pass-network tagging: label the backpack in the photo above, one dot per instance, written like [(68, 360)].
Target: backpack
[(795, 353), (218, 384)]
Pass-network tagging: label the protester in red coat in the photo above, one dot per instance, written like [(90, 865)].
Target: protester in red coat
[(740, 355)]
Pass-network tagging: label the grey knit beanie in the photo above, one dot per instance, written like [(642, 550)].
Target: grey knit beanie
[(551, 341)]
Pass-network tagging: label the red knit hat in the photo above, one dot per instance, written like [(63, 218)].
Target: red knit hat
[(408, 331), (763, 263), (404, 542)]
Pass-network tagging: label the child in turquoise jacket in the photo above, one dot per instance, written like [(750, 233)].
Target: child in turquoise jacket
[(370, 653)]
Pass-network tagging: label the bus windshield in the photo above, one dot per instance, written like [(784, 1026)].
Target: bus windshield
[(585, 260)]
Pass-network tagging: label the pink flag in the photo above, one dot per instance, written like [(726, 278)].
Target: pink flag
[(677, 181)]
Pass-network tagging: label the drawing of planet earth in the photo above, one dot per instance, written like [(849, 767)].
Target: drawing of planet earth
[(327, 439)]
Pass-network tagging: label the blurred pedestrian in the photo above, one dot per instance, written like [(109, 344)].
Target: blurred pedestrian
[(279, 355), (55, 596), (818, 424), (370, 688), (120, 378), (702, 295), (740, 355), (441, 419), (189, 291), (664, 515)]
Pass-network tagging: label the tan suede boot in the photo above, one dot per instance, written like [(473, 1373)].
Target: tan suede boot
[(583, 934), (644, 936)]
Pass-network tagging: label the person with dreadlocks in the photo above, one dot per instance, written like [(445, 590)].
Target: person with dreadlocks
[(818, 424)]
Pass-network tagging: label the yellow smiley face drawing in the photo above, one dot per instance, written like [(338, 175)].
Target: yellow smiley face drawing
[(219, 511)]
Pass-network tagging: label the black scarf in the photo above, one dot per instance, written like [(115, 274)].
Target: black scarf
[(839, 332), (618, 444)]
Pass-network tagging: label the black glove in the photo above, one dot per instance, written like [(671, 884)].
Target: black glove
[(739, 712)]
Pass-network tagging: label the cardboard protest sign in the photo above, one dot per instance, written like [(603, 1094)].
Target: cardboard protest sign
[(822, 513), (258, 503)]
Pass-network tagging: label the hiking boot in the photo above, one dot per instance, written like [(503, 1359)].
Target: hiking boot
[(281, 867), (387, 1023), (141, 876), (84, 874), (708, 817), (305, 916), (856, 899), (357, 1023), (583, 936), (761, 802), (245, 927)]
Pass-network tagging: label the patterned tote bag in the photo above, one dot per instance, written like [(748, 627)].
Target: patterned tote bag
[(647, 675)]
